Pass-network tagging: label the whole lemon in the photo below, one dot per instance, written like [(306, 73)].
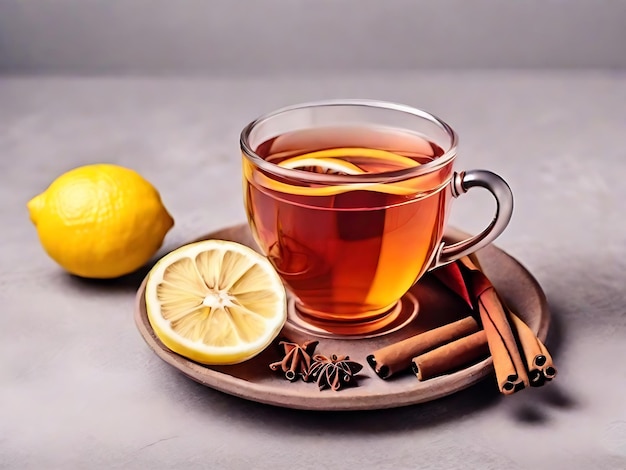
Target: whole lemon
[(100, 221)]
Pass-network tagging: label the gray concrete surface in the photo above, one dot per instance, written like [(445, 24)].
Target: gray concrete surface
[(80, 389), (265, 36)]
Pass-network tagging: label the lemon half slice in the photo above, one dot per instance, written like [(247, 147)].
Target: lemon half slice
[(215, 302)]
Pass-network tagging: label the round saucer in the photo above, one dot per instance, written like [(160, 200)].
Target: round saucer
[(253, 379)]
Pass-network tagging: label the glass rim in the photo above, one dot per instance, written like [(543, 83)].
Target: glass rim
[(331, 179)]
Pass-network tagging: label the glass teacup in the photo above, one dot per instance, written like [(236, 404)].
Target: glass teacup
[(349, 200)]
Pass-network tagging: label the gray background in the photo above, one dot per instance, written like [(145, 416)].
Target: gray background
[(270, 36), (537, 92)]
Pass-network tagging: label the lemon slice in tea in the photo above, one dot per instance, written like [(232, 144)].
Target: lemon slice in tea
[(215, 302), (333, 161), (337, 157)]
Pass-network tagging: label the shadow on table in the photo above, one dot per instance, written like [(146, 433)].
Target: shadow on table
[(528, 407), (535, 408), (463, 404), (125, 284)]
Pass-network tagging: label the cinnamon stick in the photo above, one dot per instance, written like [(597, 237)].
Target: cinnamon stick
[(538, 359), (451, 356), (397, 357), (548, 370), (532, 351), (510, 370)]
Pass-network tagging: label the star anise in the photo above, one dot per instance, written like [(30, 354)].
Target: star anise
[(297, 360), (334, 372)]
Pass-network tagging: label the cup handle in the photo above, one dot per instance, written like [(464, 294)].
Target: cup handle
[(460, 184)]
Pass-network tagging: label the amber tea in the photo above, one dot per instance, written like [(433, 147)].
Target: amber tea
[(348, 253)]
